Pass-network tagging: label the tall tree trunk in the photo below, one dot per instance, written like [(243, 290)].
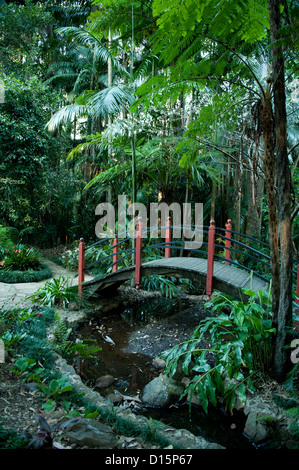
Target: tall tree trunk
[(284, 318), (270, 180), (254, 217), (110, 78)]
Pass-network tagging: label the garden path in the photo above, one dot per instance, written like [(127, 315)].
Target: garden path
[(14, 295)]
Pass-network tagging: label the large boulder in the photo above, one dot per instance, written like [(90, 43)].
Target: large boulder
[(161, 392)]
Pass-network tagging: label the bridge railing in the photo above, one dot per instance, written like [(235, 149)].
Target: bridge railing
[(223, 244)]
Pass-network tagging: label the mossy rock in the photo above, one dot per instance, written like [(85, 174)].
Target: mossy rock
[(14, 277)]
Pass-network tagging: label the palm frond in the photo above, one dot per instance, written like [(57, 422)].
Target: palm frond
[(87, 39), (107, 102), (66, 115)]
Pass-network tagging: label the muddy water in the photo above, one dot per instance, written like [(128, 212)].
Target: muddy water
[(132, 371)]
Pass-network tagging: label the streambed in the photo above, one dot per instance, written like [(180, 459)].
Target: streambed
[(131, 336)]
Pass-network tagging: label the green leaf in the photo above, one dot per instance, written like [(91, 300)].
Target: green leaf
[(50, 405), (239, 317), (186, 363), (54, 385), (237, 356), (241, 393), (202, 396), (210, 390)]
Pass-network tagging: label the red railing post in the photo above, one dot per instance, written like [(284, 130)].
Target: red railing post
[(115, 254), (138, 257), (228, 242), (81, 266), (210, 263), (168, 237)]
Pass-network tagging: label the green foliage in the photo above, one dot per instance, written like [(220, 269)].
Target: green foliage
[(9, 439), (8, 237), (34, 343), (65, 346), (69, 258), (29, 369), (13, 277), (21, 258), (24, 165), (22, 36), (163, 284), (294, 426), (57, 291), (240, 338)]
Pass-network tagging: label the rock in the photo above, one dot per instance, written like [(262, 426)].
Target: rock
[(262, 417), (31, 386), (161, 392), (74, 306), (114, 398), (159, 363), (104, 381), (91, 434), (110, 306)]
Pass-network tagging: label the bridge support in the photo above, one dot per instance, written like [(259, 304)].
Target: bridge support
[(138, 253), (228, 234), (115, 254), (211, 252), (81, 266), (168, 238)]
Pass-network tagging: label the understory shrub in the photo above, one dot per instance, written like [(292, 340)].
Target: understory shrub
[(163, 284), (19, 263), (20, 258), (54, 292), (69, 258), (227, 351)]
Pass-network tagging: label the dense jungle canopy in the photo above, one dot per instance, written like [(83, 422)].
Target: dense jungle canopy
[(168, 101)]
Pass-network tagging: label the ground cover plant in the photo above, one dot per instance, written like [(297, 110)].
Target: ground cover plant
[(32, 352)]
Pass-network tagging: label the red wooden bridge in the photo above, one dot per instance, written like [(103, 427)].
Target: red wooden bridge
[(227, 261)]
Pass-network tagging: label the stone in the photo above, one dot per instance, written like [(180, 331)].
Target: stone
[(104, 381), (91, 434), (161, 392), (159, 363), (114, 398), (74, 306), (262, 417)]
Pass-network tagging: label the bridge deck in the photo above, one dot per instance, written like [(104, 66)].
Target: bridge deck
[(226, 278)]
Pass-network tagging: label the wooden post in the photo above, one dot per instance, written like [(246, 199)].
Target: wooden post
[(115, 254), (138, 256), (168, 238), (81, 266), (228, 242), (210, 263)]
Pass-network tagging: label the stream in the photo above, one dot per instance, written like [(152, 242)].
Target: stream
[(155, 323)]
